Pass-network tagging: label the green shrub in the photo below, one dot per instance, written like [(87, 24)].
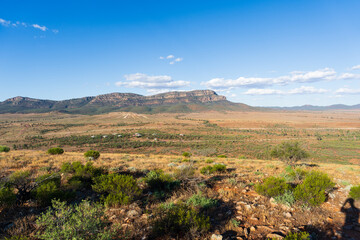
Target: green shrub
[(297, 174), (209, 161), (222, 156), (48, 189), (185, 172), (272, 186), (313, 189), (198, 200), (214, 168), (178, 220), (118, 189), (81, 176), (186, 154), (92, 154), (355, 192), (290, 152), (206, 170), (287, 198), (297, 236), (55, 151), (4, 149), (160, 183), (7, 197), (83, 221)]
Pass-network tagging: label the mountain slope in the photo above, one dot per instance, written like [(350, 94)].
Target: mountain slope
[(320, 108), (198, 100)]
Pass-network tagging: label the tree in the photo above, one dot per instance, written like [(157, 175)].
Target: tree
[(289, 152)]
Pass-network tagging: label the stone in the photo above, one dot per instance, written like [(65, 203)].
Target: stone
[(274, 236), (133, 214), (247, 207), (216, 237), (273, 202), (252, 229), (288, 215)]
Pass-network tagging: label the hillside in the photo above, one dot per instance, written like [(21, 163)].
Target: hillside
[(198, 100), (320, 108)]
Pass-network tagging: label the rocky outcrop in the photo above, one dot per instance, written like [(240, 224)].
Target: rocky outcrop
[(112, 100)]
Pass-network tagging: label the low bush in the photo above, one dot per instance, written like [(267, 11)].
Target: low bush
[(184, 172), (287, 198), (209, 161), (314, 188), (160, 183), (83, 221), (92, 154), (179, 221), (198, 200), (118, 189), (55, 151), (295, 175), (81, 173), (48, 189), (355, 192), (222, 156), (7, 197), (272, 187), (212, 169), (298, 236), (290, 152), (4, 149), (186, 154)]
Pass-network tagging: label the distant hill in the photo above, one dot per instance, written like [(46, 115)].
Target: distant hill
[(191, 101), (319, 108)]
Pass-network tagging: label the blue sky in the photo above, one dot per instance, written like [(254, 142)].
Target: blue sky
[(262, 53)]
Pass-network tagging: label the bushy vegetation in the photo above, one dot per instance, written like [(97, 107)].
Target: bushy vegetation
[(81, 175), (7, 196), (179, 220), (92, 154), (313, 189), (199, 200), (186, 154), (4, 148), (160, 183), (298, 236), (212, 169), (118, 189), (55, 151), (287, 198), (290, 152), (272, 187), (355, 192), (48, 188), (83, 221), (222, 156)]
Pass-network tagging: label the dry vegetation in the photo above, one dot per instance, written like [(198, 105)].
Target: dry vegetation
[(244, 140)]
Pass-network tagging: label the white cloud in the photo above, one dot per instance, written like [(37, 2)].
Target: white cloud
[(325, 74), (42, 28), (151, 83), (7, 23), (171, 59), (357, 67), (4, 22), (300, 90), (348, 91)]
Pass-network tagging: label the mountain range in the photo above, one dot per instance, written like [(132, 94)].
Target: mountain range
[(198, 100), (185, 101)]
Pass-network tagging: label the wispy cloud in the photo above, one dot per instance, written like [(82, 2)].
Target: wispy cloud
[(357, 67), (300, 90), (348, 91), (42, 28), (151, 83), (171, 59), (325, 74), (8, 23)]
